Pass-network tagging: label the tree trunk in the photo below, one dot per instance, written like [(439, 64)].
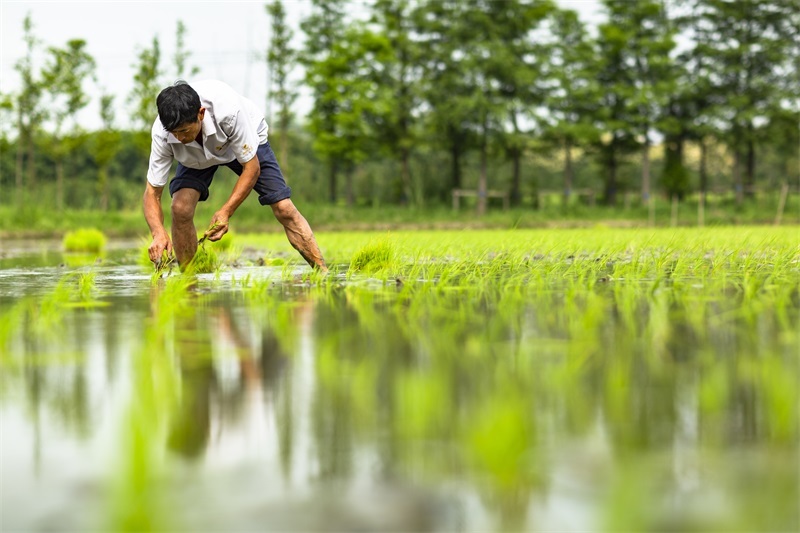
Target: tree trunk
[(59, 184), (646, 171), (611, 175), (18, 170), (102, 173), (750, 177), (284, 149), (737, 176), (703, 167), (515, 196), (455, 161), (482, 178), (31, 162), (349, 190), (568, 174), (332, 170), (405, 176)]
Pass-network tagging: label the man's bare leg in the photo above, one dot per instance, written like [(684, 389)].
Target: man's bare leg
[(299, 233), (184, 234)]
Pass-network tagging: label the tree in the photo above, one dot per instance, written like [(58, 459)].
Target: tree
[(29, 111), (182, 54), (640, 39), (571, 73), (64, 75), (324, 29), (397, 76), (106, 147), (280, 58), (518, 65), (345, 137), (146, 86), (748, 44), (465, 54), (613, 112), (688, 115)]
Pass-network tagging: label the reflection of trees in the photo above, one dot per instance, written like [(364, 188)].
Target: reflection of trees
[(473, 385)]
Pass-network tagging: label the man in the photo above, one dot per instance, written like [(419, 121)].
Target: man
[(202, 127)]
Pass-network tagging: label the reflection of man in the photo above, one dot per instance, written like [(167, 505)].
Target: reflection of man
[(202, 127), (190, 424)]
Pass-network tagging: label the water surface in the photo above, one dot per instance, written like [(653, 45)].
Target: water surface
[(256, 400)]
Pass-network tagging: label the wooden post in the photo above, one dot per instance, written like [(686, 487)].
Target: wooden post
[(455, 200), (782, 203)]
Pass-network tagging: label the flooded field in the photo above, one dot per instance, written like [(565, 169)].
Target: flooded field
[(434, 381)]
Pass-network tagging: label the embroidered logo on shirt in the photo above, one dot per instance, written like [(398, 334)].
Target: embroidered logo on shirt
[(245, 148)]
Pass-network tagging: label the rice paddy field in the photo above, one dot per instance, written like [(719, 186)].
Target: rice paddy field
[(521, 380)]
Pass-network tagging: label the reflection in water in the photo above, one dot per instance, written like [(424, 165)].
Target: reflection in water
[(303, 408)]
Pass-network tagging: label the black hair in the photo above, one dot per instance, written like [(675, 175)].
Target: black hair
[(177, 105)]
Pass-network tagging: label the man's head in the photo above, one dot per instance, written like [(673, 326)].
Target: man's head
[(180, 111)]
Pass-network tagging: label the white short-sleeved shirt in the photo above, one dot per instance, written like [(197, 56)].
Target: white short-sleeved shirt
[(233, 128)]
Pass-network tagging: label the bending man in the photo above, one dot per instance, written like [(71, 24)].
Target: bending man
[(202, 127)]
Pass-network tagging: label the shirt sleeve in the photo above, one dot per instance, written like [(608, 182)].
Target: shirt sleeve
[(242, 134), (160, 162)]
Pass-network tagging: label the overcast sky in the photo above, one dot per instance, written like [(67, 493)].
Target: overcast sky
[(225, 40)]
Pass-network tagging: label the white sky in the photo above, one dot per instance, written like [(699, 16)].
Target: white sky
[(225, 40)]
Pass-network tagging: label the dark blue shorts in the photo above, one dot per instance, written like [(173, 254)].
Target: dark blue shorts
[(270, 186)]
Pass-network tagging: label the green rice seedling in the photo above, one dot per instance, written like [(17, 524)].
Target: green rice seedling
[(205, 261), (377, 255), (85, 240)]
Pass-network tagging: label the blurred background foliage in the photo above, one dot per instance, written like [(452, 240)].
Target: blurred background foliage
[(412, 99)]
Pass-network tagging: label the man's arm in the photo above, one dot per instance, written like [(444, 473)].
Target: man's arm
[(247, 179), (154, 216)]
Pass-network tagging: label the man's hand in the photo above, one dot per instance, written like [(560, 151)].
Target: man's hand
[(160, 244), (219, 226)]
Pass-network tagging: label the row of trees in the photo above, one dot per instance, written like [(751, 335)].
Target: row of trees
[(483, 83)]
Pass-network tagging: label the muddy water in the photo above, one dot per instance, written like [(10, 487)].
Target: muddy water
[(254, 401)]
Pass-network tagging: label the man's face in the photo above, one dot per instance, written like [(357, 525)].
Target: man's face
[(189, 131)]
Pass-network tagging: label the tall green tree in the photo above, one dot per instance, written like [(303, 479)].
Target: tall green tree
[(749, 46), (107, 143), (571, 71), (324, 29), (280, 61), (345, 137), (613, 117), (64, 75), (142, 98), (397, 76), (30, 112), (689, 111), (182, 54), (642, 40), (445, 91), (518, 68), (469, 73)]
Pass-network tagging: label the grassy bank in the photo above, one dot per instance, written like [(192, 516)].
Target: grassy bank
[(41, 221)]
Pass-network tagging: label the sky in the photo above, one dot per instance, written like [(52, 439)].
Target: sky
[(226, 40)]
